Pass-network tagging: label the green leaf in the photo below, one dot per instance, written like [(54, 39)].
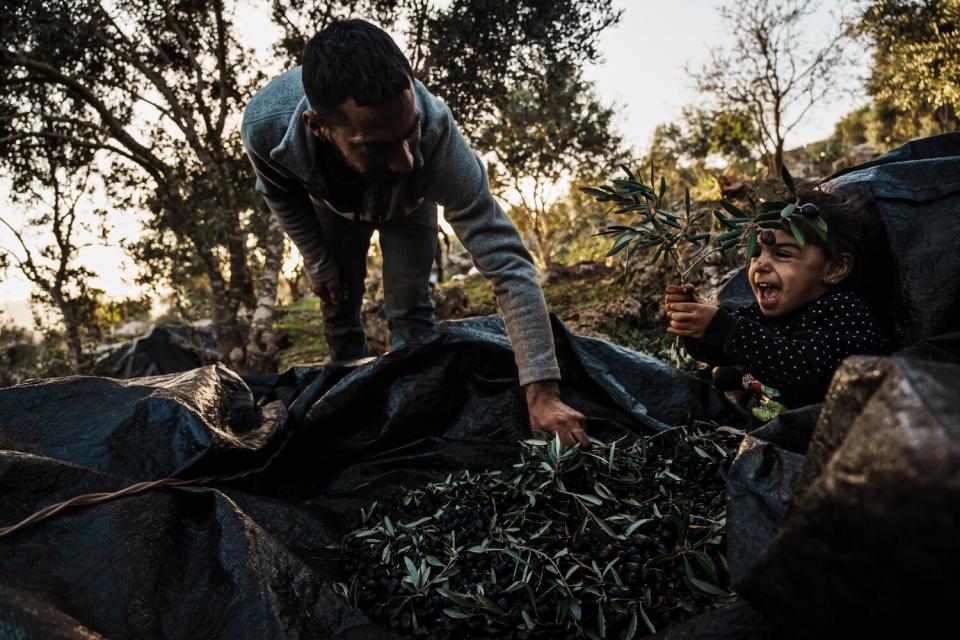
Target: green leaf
[(727, 222), (646, 620), (627, 171), (706, 587), (820, 226), (633, 527), (388, 524), (489, 604), (728, 235), (586, 497), (732, 209), (602, 491), (663, 187), (456, 615), (752, 244), (600, 196), (686, 200), (670, 222), (619, 245), (797, 233), (788, 210), (456, 598), (415, 523), (602, 524), (411, 568), (631, 627), (527, 620), (575, 610), (601, 622), (788, 179), (516, 586), (707, 563)]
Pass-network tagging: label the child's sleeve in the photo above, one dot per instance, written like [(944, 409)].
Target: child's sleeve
[(709, 349), (833, 328)]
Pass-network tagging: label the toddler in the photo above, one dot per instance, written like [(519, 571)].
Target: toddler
[(805, 321)]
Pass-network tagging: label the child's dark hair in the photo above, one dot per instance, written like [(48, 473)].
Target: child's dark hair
[(846, 217)]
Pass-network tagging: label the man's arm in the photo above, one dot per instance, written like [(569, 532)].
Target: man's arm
[(457, 180), (290, 203)]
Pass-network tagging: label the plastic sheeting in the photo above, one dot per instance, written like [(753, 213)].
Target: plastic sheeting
[(869, 544), (842, 535), (169, 348), (250, 558), (914, 192), (868, 540)]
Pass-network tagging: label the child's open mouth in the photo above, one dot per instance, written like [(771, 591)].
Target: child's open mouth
[(769, 295)]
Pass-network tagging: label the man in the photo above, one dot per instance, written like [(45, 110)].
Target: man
[(352, 142)]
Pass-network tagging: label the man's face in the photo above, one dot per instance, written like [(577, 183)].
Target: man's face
[(380, 142), (785, 276)]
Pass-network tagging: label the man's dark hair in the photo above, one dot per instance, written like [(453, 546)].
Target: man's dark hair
[(352, 59)]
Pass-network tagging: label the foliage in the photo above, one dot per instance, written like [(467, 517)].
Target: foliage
[(53, 185), (476, 53), (511, 74), (702, 132), (23, 358), (916, 60), (612, 542), (773, 71), (152, 89), (550, 132), (682, 238)]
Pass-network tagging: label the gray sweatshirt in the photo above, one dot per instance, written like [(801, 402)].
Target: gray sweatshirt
[(284, 154)]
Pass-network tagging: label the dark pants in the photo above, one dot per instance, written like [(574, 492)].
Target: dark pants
[(409, 247)]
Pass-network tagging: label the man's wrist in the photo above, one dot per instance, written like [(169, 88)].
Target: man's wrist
[(542, 390)]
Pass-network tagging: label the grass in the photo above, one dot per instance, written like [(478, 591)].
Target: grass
[(303, 323), (565, 294)]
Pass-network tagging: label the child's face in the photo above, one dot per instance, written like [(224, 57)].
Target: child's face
[(785, 276)]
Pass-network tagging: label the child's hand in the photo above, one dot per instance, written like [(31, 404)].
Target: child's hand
[(681, 293), (689, 313)]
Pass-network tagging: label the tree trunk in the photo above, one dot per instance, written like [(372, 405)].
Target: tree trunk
[(296, 293), (72, 334), (443, 243), (261, 350)]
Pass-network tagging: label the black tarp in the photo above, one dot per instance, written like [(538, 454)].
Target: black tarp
[(869, 540), (856, 553), (869, 545), (250, 558), (166, 348)]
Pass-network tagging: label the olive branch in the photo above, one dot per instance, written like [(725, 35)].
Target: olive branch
[(667, 235)]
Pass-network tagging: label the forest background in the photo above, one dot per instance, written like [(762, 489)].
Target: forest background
[(125, 196)]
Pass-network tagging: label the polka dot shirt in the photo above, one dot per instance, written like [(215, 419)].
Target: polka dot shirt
[(798, 354)]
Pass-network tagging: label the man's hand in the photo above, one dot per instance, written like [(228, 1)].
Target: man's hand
[(689, 313), (549, 413), (330, 291)]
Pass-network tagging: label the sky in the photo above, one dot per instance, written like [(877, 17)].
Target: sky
[(643, 72)]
